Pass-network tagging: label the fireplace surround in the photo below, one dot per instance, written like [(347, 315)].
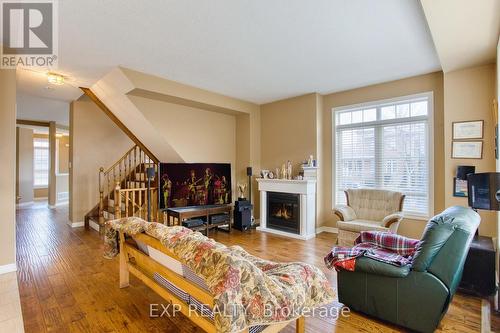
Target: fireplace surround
[(302, 210)]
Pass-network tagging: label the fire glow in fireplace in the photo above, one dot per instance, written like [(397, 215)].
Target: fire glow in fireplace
[(283, 212)]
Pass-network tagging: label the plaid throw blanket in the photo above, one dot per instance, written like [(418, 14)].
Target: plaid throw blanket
[(378, 245)]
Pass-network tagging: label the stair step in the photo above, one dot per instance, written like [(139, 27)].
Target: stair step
[(111, 204), (94, 223)]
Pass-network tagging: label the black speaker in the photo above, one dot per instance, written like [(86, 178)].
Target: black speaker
[(242, 215), (249, 171), (479, 270), (464, 170)]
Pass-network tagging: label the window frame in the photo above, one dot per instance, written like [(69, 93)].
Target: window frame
[(35, 186), (429, 95)]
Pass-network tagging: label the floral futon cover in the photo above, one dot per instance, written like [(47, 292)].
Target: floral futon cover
[(247, 290)]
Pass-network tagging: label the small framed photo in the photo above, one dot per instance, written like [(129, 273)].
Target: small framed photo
[(460, 188), (467, 149), (466, 130)]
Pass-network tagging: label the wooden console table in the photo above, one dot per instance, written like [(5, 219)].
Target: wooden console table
[(175, 216)]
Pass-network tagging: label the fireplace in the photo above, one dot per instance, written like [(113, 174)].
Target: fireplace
[(283, 212)]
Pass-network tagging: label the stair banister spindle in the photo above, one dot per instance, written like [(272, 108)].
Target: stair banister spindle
[(133, 202), (101, 196), (127, 203), (129, 171), (117, 201), (140, 205), (108, 184)]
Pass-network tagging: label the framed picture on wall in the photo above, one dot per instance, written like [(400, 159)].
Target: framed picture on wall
[(466, 130), (467, 149), (460, 188)]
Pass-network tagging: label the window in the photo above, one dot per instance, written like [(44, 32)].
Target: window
[(40, 162), (386, 145)]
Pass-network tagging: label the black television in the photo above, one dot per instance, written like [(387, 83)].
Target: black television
[(194, 184), (483, 188)]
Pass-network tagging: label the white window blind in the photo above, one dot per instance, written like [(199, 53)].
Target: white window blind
[(385, 145), (40, 162)]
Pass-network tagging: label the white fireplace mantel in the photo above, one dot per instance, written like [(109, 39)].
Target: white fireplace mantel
[(306, 189)]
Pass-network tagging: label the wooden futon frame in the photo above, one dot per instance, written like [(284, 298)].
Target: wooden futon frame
[(134, 261)]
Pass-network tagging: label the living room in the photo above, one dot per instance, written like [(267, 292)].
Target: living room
[(219, 121)]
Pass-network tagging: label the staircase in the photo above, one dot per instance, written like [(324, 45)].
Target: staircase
[(123, 190)]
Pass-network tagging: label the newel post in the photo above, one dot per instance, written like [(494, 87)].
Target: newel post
[(117, 201)]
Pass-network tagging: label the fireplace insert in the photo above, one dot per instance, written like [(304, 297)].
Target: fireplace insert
[(283, 212)]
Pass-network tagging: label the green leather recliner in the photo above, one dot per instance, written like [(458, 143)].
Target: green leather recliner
[(415, 297)]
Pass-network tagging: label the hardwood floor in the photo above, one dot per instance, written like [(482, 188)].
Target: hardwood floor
[(66, 286)]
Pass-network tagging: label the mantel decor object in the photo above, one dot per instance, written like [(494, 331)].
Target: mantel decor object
[(241, 190)]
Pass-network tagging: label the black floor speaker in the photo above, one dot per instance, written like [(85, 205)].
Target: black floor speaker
[(479, 269), (242, 215)]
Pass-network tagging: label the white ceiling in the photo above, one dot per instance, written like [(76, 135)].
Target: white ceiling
[(465, 32), (256, 50)]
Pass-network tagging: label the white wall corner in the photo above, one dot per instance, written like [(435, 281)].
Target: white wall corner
[(8, 268)]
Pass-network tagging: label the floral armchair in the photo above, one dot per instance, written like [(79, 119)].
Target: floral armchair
[(368, 210)]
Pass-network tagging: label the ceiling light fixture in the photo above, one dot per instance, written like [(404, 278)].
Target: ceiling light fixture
[(56, 79)]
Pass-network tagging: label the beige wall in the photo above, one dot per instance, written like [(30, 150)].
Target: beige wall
[(8, 179), (62, 170), (469, 95), (242, 148), (63, 154), (291, 130), (62, 188), (198, 136), (95, 141), (288, 132), (248, 154), (24, 187)]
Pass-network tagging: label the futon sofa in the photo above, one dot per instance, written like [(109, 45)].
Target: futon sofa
[(415, 296), (228, 289)]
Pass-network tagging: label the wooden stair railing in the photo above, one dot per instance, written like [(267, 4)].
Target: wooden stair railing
[(135, 202), (129, 173)]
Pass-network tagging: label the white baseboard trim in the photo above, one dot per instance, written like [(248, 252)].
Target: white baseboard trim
[(8, 268), (63, 196), (62, 203), (22, 204), (76, 224), (41, 198), (327, 229)]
